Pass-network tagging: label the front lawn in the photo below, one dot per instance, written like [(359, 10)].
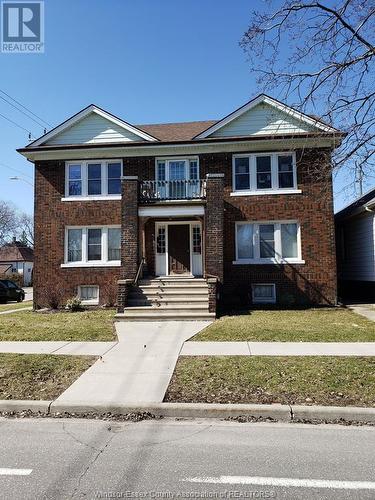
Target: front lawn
[(336, 381), (310, 325), (84, 326), (15, 305), (39, 376)]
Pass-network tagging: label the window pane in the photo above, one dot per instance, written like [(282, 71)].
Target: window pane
[(285, 165), (114, 178), (263, 291), (161, 171), (193, 169), (94, 244), (160, 240), (289, 240), (114, 244), (242, 173), (89, 292), (264, 180), (74, 245), (197, 243), (94, 175), (75, 180), (176, 170), (245, 245), (267, 240)]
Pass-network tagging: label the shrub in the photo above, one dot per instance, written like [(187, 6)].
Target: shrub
[(74, 304), (51, 296), (16, 277)]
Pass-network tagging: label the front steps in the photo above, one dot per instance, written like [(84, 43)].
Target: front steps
[(168, 299)]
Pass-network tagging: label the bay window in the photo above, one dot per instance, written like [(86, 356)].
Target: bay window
[(93, 179), (92, 246), (264, 173), (268, 242)]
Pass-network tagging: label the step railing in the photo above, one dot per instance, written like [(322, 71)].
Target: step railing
[(185, 189)]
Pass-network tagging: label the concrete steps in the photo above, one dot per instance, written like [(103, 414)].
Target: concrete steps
[(168, 299)]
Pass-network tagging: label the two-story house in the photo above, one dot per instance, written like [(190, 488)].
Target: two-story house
[(178, 218)]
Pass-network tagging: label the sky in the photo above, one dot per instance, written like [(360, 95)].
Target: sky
[(146, 61)]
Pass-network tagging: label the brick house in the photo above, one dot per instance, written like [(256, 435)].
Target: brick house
[(175, 219)]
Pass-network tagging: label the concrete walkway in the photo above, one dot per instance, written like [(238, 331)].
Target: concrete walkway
[(16, 310), (138, 369), (366, 310), (57, 347), (278, 349)]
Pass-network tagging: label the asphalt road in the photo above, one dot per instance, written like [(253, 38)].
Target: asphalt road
[(71, 458)]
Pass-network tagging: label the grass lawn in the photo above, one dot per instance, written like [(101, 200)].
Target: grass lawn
[(30, 325), (316, 380), (15, 305), (39, 376), (309, 325)]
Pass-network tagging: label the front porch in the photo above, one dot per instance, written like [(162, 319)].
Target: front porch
[(172, 234)]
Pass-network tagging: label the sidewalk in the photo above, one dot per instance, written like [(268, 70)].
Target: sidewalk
[(366, 310), (138, 369), (29, 308), (278, 349), (57, 347)]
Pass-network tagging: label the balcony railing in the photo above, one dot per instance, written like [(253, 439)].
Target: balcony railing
[(190, 189)]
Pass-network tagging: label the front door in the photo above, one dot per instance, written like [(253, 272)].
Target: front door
[(179, 248)]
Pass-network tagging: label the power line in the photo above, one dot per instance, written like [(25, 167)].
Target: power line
[(17, 125), (23, 112), (15, 170), (27, 109)]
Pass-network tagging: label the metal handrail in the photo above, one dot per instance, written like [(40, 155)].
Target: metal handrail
[(182, 189), (140, 268)]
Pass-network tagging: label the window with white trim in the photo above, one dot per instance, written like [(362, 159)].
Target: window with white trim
[(93, 245), (94, 178), (89, 294), (264, 172), (268, 242), (263, 293)]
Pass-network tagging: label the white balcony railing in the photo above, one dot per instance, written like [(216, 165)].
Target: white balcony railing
[(190, 189)]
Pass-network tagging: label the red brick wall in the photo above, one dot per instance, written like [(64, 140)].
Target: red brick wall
[(51, 217), (314, 281)]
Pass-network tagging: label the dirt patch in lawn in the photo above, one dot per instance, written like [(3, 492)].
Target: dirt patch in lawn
[(60, 325), (310, 325), (39, 376), (336, 381)]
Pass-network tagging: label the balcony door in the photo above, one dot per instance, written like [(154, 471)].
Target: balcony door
[(178, 178)]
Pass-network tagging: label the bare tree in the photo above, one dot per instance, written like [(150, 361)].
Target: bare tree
[(8, 220), (26, 229), (320, 55)]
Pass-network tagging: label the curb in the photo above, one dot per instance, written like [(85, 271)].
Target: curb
[(282, 413)]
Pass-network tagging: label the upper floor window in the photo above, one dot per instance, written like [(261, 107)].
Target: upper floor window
[(264, 173), (268, 242), (97, 178), (177, 169), (93, 245)]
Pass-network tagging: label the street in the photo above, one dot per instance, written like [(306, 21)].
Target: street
[(76, 458)]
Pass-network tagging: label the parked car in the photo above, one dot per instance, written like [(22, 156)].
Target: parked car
[(11, 291)]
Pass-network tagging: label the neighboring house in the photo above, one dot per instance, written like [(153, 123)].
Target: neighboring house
[(355, 235), (15, 257), (234, 202)]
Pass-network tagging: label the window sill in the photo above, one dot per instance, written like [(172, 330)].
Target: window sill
[(91, 302), (105, 197), (267, 261), (262, 192), (115, 263)]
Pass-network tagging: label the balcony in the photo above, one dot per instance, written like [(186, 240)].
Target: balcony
[(158, 191)]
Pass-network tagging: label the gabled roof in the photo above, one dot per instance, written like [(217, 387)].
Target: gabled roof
[(365, 202), (16, 252), (263, 98), (182, 131), (92, 108)]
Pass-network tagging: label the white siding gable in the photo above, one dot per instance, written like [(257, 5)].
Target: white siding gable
[(94, 129), (263, 119), (359, 248)]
